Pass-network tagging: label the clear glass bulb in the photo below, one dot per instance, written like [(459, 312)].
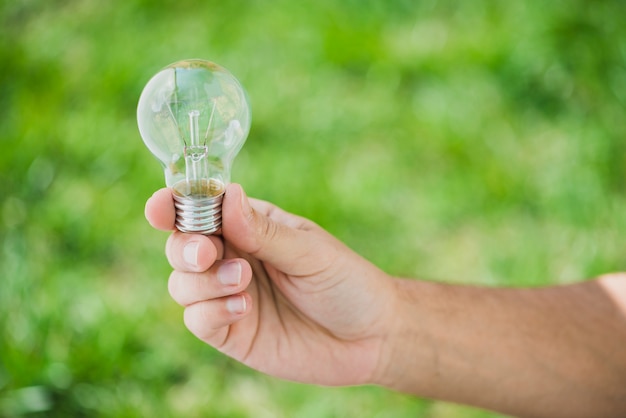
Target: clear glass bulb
[(194, 116)]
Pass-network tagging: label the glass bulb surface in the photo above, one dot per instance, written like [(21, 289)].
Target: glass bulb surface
[(194, 116)]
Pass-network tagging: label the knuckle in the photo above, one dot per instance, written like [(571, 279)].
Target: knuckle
[(266, 231), (173, 285), (173, 248), (188, 288), (199, 318)]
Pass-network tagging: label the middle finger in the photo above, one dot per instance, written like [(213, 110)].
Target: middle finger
[(224, 278)]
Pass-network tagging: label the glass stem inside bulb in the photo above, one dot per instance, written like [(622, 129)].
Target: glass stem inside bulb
[(194, 128), (196, 154)]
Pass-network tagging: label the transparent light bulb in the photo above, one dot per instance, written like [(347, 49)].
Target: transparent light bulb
[(194, 117)]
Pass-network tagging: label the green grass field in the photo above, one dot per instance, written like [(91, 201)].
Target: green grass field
[(472, 142)]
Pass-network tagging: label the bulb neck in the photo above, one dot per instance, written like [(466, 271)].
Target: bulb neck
[(198, 205)]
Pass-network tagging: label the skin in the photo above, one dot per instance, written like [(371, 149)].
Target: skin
[(281, 295)]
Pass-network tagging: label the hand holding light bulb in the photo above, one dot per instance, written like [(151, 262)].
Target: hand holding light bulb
[(194, 116), (282, 295)]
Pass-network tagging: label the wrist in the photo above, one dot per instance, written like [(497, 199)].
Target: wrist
[(407, 352), (427, 352)]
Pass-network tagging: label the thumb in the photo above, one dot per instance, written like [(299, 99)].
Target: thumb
[(288, 242)]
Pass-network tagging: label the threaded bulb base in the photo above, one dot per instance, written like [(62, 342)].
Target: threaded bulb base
[(198, 206)]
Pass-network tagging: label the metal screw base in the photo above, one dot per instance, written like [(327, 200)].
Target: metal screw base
[(198, 214)]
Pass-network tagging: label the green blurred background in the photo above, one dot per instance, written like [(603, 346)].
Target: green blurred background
[(471, 142)]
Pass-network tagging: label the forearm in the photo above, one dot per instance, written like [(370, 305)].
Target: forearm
[(558, 351)]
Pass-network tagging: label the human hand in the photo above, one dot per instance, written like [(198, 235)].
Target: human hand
[(278, 293)]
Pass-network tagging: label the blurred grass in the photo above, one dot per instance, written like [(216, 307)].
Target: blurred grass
[(474, 143)]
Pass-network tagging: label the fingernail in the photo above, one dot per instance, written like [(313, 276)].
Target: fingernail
[(236, 304), (229, 274), (190, 253)]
